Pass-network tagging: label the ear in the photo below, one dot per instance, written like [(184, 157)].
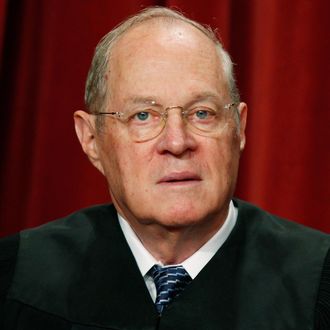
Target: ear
[(242, 111), (85, 130)]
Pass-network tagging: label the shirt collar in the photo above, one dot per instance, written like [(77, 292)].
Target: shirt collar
[(196, 262)]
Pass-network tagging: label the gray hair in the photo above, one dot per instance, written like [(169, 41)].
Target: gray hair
[(97, 93)]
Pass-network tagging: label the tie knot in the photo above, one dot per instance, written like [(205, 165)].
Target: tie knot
[(170, 281)]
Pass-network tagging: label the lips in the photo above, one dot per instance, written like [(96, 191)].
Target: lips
[(179, 177)]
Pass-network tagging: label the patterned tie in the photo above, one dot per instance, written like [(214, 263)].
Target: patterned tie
[(170, 282)]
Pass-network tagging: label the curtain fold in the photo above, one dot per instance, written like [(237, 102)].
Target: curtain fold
[(281, 50)]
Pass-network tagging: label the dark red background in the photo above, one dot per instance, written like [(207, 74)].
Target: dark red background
[(282, 52)]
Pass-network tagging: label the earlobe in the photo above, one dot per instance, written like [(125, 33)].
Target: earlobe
[(87, 137), (242, 109)]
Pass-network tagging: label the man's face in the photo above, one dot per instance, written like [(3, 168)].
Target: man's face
[(178, 178)]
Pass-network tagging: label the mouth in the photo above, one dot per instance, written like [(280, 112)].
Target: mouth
[(180, 178)]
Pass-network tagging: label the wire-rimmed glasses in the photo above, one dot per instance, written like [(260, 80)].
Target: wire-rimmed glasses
[(148, 121)]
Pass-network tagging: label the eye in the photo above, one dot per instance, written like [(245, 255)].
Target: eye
[(202, 114), (142, 116)]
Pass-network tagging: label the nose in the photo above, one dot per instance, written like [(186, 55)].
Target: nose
[(175, 137)]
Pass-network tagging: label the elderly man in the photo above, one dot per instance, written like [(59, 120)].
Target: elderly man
[(166, 128)]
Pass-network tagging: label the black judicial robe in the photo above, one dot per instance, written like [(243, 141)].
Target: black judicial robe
[(79, 273)]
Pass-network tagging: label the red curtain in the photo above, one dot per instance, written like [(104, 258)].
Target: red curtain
[(282, 52)]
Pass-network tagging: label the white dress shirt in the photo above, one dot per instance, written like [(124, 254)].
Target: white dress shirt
[(193, 265)]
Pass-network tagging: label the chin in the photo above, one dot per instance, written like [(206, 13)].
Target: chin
[(181, 217)]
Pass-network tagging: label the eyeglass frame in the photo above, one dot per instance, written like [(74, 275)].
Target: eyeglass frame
[(124, 118)]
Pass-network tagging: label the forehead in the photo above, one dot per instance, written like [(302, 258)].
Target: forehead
[(164, 30), (162, 33), (174, 52)]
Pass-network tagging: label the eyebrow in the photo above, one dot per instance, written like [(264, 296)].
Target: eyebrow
[(140, 99), (203, 96)]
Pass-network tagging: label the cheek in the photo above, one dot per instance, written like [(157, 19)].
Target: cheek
[(111, 156), (125, 164), (223, 156)]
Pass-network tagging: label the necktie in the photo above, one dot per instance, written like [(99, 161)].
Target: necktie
[(170, 282)]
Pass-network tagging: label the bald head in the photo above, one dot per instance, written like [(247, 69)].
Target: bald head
[(172, 25), (154, 51)]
